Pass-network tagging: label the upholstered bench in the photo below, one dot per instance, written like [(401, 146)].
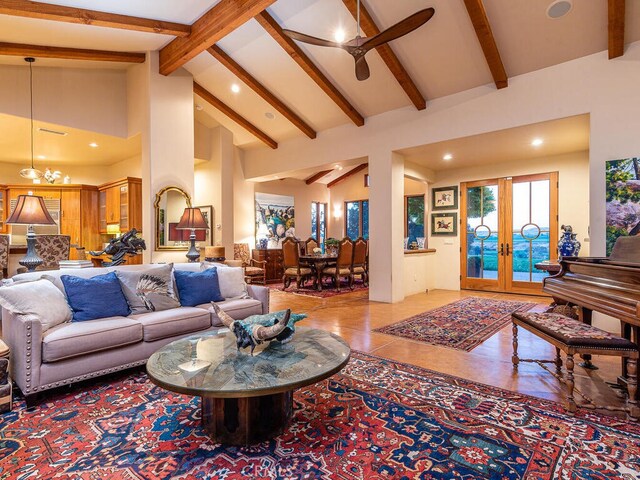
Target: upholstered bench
[(574, 337)]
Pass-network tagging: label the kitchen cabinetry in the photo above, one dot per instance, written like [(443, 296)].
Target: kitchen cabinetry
[(4, 210), (120, 203), (274, 266)]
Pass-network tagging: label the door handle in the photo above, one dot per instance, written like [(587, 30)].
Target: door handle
[(501, 249), (507, 249)]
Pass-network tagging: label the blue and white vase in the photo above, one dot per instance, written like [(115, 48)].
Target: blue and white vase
[(568, 245)]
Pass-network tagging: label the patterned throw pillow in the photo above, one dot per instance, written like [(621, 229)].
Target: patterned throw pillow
[(149, 290)]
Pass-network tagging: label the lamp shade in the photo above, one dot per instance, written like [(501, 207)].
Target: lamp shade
[(30, 210), (192, 219)]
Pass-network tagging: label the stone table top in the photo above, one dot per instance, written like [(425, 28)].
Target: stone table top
[(210, 365)]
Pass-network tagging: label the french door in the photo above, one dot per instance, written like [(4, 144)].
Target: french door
[(507, 226)]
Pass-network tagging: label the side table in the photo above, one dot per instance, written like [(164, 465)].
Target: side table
[(6, 403)]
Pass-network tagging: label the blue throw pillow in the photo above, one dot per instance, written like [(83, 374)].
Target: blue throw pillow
[(196, 288), (97, 297)]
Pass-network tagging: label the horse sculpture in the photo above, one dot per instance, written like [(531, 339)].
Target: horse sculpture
[(127, 244)]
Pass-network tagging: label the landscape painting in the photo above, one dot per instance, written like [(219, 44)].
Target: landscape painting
[(623, 199), (275, 219)]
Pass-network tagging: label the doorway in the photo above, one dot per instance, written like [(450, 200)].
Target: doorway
[(510, 224)]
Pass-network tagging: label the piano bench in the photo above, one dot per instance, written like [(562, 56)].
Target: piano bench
[(576, 338)]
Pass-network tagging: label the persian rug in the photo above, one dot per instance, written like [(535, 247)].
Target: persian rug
[(463, 324), (377, 419), (327, 289)]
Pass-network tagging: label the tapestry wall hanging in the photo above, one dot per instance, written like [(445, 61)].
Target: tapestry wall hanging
[(275, 219), (623, 199)]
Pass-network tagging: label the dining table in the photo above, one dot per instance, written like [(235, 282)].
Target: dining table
[(318, 262)]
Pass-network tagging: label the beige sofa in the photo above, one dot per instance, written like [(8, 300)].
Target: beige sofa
[(73, 352)]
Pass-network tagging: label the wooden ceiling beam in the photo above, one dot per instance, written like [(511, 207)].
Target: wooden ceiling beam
[(369, 27), (616, 28), (480, 22), (296, 53), (317, 176), (222, 19), (233, 115), (40, 51), (359, 168), (60, 13), (261, 90)]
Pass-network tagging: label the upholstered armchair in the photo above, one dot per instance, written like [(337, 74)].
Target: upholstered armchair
[(4, 255), (292, 266), (343, 266), (52, 249), (255, 271), (360, 260)]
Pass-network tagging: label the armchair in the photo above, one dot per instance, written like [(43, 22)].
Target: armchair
[(4, 255), (255, 271)]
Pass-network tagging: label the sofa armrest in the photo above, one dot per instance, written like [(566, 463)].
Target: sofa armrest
[(260, 293), (23, 334)]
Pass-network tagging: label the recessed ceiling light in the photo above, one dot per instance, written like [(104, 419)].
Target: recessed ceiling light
[(559, 8), (235, 88), (536, 142), (41, 157), (269, 115), (447, 157), (339, 35), (93, 145)]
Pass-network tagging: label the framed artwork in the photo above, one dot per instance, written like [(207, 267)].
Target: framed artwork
[(623, 199), (275, 219), (444, 224), (444, 198), (206, 236)]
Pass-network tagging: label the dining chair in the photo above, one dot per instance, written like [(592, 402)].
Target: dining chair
[(343, 266), (360, 247), (292, 266), (255, 271), (310, 244), (4, 255)]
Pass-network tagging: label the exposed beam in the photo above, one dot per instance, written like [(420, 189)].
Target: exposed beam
[(261, 90), (314, 178), (616, 28), (480, 22), (233, 115), (289, 46), (60, 13), (369, 27), (218, 22), (40, 51), (360, 167)]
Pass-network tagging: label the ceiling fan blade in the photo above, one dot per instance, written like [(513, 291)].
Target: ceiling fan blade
[(362, 68), (302, 37), (401, 28)]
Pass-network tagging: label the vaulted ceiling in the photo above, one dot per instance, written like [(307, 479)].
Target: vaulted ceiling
[(281, 97)]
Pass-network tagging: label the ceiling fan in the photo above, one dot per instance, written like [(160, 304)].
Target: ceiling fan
[(359, 46)]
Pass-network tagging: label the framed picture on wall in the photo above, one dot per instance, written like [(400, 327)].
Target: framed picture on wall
[(207, 213), (444, 198), (444, 224)]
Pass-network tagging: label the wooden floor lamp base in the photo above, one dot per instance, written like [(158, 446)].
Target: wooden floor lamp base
[(246, 421)]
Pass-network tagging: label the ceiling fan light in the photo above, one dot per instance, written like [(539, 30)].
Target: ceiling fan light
[(31, 173), (339, 35)]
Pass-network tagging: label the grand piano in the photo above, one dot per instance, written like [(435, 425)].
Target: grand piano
[(608, 285)]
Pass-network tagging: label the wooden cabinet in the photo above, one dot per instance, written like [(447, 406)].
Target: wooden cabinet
[(121, 203), (274, 265)]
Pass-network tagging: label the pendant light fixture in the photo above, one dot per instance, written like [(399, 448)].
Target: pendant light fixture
[(31, 173)]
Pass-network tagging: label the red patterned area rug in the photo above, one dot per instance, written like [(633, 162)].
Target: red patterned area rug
[(377, 419), (327, 289), (463, 325)]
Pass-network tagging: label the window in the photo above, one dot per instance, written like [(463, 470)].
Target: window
[(356, 219), (414, 215), (319, 221)]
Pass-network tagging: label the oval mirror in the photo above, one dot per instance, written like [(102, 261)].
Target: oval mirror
[(169, 206)]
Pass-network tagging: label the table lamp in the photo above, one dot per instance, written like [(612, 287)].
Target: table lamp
[(30, 210), (192, 219)]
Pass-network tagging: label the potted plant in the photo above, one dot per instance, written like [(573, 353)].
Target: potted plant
[(331, 246)]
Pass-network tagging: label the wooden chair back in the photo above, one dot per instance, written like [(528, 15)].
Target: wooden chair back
[(345, 253), (360, 252), (290, 253), (310, 244)]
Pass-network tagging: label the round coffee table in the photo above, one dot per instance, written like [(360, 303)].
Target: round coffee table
[(246, 399)]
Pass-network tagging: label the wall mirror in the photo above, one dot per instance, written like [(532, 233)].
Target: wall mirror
[(169, 206)]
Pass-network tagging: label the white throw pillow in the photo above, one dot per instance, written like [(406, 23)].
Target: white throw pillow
[(40, 299), (231, 281)]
